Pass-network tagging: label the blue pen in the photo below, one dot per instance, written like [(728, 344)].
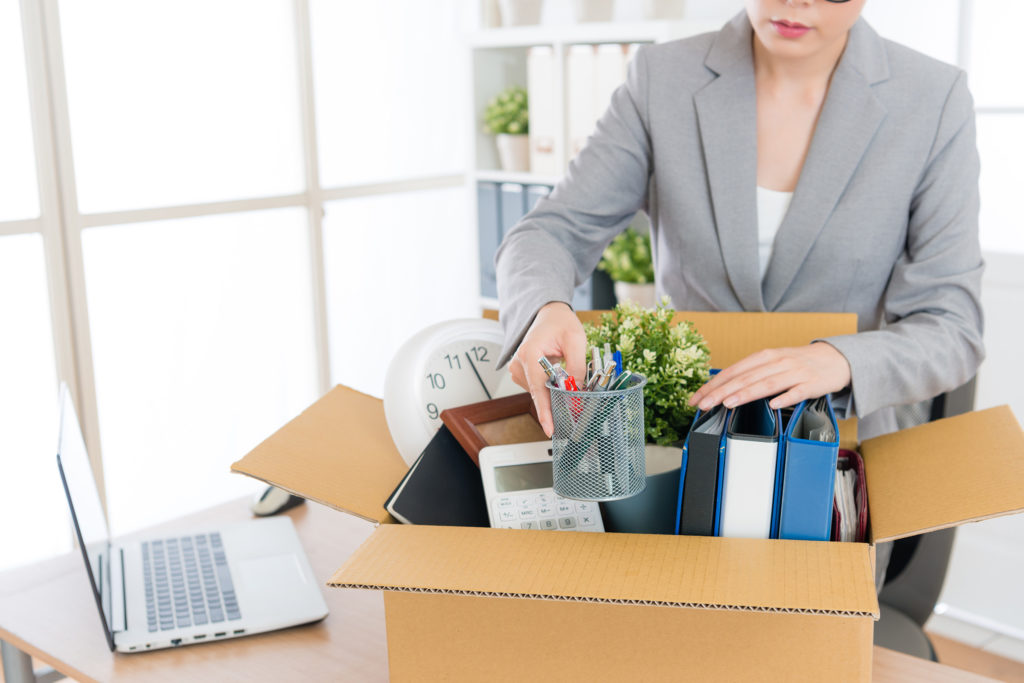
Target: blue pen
[(618, 362)]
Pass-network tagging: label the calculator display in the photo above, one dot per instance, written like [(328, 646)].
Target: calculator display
[(534, 475)]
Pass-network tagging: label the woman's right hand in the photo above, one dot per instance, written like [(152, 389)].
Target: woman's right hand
[(557, 333)]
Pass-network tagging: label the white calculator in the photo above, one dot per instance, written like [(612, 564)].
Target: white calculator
[(518, 487)]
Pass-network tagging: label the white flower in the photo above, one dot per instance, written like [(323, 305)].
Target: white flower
[(626, 343), (649, 355)]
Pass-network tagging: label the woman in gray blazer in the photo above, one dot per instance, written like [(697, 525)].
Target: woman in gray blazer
[(877, 144)]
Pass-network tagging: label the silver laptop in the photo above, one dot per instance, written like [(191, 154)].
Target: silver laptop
[(209, 584)]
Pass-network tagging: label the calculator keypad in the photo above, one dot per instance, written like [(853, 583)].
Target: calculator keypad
[(546, 511)]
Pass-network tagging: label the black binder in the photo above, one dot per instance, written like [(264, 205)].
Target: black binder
[(442, 487), (698, 485)]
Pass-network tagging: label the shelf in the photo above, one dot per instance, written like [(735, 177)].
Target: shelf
[(515, 177), (597, 32)]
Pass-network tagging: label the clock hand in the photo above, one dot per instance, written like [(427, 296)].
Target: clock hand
[(475, 372)]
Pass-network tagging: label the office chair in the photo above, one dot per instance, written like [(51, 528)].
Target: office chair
[(917, 568)]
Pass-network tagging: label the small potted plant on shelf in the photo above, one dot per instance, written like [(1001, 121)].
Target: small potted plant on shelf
[(627, 260), (507, 117)]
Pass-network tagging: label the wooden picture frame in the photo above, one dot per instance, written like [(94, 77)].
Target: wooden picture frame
[(500, 421)]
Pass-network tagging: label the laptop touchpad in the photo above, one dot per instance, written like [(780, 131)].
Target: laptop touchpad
[(271, 580)]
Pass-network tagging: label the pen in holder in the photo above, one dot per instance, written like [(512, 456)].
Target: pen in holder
[(598, 442)]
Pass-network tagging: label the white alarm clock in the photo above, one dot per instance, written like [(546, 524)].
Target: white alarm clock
[(446, 365)]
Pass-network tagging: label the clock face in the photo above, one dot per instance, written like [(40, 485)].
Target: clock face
[(461, 373), (446, 365)]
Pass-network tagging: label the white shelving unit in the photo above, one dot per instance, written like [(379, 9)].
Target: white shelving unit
[(498, 60)]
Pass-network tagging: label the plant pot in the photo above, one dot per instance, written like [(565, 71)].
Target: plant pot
[(653, 510), (514, 152), (664, 9), (520, 12), (594, 10), (640, 294)]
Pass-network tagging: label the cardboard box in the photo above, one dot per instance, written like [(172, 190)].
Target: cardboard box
[(499, 604)]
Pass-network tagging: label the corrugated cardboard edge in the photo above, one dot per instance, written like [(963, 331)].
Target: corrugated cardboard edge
[(608, 601), (791, 577)]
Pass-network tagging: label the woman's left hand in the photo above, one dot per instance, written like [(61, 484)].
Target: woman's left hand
[(794, 373)]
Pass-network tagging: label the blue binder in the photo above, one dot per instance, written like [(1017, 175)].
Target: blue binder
[(489, 229), (809, 472)]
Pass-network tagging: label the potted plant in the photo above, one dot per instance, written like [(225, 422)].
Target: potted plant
[(674, 359), (627, 260), (507, 117)]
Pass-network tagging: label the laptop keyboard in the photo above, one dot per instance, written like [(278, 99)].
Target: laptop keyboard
[(187, 582)]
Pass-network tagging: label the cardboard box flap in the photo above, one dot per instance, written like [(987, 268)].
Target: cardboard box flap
[(732, 337), (338, 452), (960, 469), (685, 571)]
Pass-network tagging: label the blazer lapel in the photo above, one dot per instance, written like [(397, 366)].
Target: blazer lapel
[(727, 118), (849, 119)]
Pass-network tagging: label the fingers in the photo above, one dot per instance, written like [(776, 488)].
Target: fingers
[(752, 368), (557, 334), (537, 380), (789, 374)]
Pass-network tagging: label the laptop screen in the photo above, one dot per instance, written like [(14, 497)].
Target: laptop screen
[(86, 510)]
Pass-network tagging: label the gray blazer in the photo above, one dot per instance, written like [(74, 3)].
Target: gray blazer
[(883, 222)]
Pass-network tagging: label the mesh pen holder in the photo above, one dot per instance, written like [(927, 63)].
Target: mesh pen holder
[(598, 442)]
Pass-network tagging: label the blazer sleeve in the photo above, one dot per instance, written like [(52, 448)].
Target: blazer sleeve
[(931, 341), (556, 246)]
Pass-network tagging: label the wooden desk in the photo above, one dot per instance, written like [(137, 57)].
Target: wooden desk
[(48, 611)]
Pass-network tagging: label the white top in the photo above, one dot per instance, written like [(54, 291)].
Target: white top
[(771, 209)]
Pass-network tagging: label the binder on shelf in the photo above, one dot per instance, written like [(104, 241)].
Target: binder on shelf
[(581, 80), (442, 487), (703, 452), (513, 207), (583, 296), (534, 193), (489, 235), (751, 471), (544, 123), (810, 451)]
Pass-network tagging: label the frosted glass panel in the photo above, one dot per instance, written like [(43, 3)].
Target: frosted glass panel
[(1001, 146), (928, 26), (395, 264), (19, 196), (181, 102), (30, 488), (202, 340), (997, 53), (391, 83)]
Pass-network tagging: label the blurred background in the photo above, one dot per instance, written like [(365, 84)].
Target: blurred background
[(213, 211)]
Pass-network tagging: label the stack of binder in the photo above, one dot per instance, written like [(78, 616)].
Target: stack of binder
[(747, 472)]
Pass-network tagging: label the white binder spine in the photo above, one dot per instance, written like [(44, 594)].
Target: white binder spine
[(748, 488)]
